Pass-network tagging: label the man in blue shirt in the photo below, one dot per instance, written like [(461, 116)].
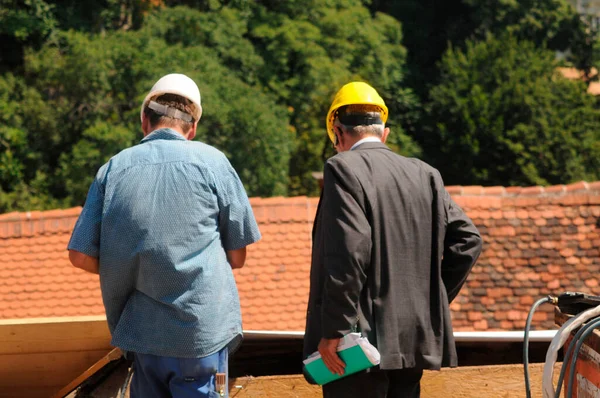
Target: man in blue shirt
[(164, 223)]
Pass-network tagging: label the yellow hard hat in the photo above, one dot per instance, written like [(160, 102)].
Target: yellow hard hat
[(355, 93)]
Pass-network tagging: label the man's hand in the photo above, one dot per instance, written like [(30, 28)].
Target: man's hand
[(328, 351)]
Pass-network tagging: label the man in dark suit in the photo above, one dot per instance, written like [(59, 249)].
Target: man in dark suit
[(391, 250)]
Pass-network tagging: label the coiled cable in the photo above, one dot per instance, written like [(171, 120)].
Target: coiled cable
[(588, 329), (557, 342), (567, 356)]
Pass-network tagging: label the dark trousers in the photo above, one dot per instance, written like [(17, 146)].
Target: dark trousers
[(400, 383)]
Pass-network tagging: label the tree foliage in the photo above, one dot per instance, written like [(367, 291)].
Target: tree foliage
[(266, 71), (313, 48), (430, 26), (502, 115), (470, 84)]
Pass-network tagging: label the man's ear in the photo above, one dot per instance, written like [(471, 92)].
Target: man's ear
[(192, 131), (339, 135), (386, 132), (146, 128)]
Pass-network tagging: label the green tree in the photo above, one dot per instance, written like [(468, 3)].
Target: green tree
[(23, 23), (301, 55), (502, 115), (430, 26), (553, 24), (97, 85), (102, 16), (224, 30), (23, 172), (311, 48)]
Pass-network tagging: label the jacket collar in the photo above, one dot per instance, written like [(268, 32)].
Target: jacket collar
[(363, 140), (163, 134), (371, 145)]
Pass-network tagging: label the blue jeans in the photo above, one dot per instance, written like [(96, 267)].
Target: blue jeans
[(166, 377)]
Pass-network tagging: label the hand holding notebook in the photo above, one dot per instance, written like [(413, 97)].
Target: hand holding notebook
[(356, 352)]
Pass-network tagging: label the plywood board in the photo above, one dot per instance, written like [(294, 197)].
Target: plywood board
[(38, 357), (53, 334), (496, 381)]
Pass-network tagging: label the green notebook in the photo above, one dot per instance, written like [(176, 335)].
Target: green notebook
[(356, 352)]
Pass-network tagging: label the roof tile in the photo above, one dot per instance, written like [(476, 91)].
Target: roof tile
[(577, 186), (537, 241)]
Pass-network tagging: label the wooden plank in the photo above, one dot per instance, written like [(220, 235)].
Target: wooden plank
[(22, 371), (496, 381), (29, 392), (62, 319), (70, 334), (112, 356), (40, 356), (50, 345)]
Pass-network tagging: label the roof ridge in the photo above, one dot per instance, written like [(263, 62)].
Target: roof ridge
[(536, 190), (32, 223), (302, 209), (40, 214)]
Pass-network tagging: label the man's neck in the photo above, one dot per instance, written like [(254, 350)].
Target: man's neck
[(160, 126)]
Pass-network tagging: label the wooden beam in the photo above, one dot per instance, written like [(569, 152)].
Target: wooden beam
[(55, 334), (45, 369), (40, 356), (112, 356), (495, 381)]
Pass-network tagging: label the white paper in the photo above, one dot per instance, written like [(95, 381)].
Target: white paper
[(350, 340)]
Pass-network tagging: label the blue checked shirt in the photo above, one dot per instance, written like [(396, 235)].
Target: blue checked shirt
[(160, 216)]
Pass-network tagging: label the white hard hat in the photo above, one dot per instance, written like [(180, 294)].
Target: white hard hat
[(175, 83)]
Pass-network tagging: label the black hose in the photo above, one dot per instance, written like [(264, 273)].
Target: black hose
[(589, 328), (548, 299), (567, 356)]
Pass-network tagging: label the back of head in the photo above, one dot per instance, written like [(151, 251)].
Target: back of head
[(173, 101), (361, 120)]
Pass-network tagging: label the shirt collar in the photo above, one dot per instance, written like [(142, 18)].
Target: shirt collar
[(163, 134), (366, 139)]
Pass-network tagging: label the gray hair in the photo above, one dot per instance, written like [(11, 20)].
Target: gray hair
[(375, 130), (359, 115)]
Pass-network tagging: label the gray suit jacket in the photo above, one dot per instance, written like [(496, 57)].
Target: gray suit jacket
[(391, 250)]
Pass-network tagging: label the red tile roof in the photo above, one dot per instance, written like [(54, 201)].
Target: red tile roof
[(37, 280), (538, 240), (576, 74), (274, 283)]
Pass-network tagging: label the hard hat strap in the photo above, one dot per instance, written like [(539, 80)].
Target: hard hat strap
[(355, 119), (169, 111)]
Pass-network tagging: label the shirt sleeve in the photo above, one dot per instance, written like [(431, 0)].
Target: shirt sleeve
[(86, 234), (237, 225)]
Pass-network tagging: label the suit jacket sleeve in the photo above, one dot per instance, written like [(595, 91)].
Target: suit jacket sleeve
[(346, 235), (462, 246)]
